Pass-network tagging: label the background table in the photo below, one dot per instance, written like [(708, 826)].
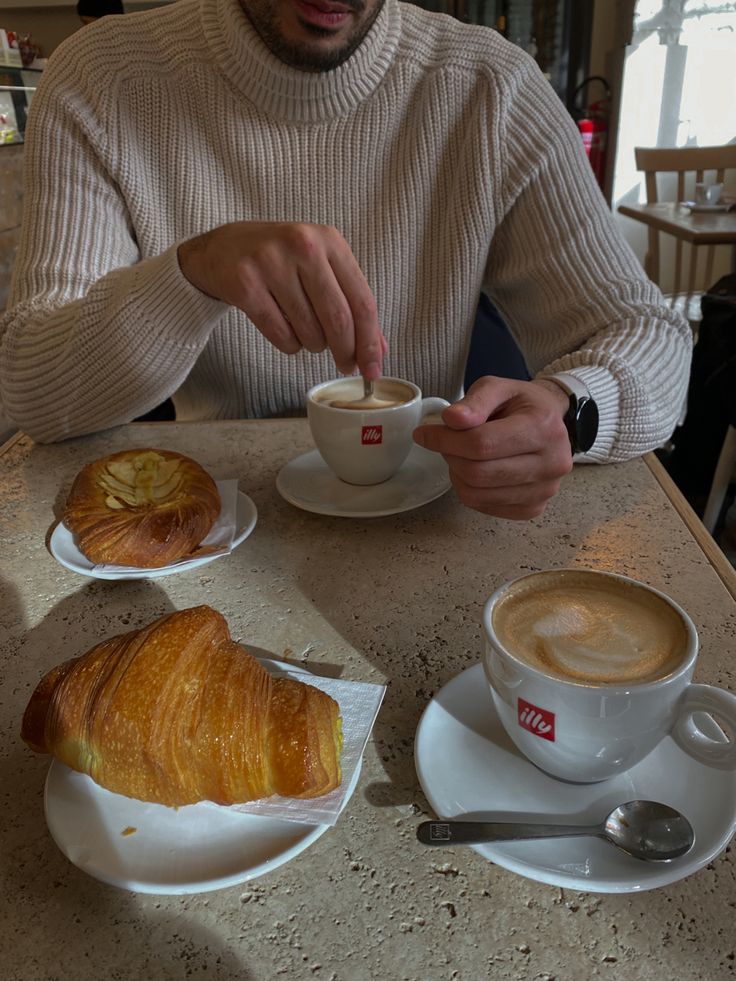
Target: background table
[(395, 600), (697, 228)]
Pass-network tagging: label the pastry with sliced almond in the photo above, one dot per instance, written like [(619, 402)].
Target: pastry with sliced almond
[(144, 507)]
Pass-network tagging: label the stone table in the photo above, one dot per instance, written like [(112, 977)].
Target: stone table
[(395, 600)]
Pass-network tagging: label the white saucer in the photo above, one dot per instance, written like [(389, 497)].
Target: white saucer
[(468, 765), (173, 851), (63, 547), (308, 483), (706, 208)]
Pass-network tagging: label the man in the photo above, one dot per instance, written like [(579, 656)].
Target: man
[(89, 11), (227, 198)]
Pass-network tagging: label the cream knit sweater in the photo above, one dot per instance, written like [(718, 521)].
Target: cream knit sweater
[(439, 152)]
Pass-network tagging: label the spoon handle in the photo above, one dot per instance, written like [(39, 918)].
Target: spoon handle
[(477, 832)]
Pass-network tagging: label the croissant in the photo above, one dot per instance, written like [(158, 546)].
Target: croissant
[(178, 712), (142, 507)]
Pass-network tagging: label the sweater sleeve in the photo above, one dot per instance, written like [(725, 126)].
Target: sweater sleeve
[(570, 288), (94, 334)]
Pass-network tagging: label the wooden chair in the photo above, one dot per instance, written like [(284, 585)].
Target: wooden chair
[(721, 479), (690, 164)]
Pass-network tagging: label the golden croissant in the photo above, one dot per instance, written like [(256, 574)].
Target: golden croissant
[(178, 712), (143, 507)]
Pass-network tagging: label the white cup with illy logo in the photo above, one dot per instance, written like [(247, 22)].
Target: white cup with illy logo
[(365, 441), (589, 671)]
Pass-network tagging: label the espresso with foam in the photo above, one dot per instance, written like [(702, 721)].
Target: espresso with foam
[(590, 629), (349, 394)]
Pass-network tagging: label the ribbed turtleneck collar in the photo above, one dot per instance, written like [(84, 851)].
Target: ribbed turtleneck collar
[(287, 93)]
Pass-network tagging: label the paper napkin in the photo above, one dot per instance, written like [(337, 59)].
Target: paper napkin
[(359, 703), (219, 541)]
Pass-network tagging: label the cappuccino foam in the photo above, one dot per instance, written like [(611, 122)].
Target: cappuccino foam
[(589, 628), (349, 394)]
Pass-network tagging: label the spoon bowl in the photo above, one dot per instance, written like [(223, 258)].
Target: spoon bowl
[(649, 831), (644, 829)]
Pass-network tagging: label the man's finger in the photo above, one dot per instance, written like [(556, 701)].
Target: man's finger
[(512, 471), (268, 317), (332, 309), (495, 440), (484, 397), (370, 344), (520, 502), (298, 311)]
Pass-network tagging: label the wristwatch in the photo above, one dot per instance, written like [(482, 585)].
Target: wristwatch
[(581, 418)]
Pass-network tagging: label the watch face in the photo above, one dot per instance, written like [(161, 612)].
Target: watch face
[(586, 425)]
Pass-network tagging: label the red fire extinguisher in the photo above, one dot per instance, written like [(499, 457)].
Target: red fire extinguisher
[(593, 125)]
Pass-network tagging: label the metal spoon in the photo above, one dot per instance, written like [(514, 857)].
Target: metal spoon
[(642, 828), (367, 389)]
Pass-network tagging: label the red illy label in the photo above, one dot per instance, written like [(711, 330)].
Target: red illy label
[(536, 720), (370, 435)]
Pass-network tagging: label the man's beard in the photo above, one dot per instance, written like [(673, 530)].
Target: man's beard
[(303, 57)]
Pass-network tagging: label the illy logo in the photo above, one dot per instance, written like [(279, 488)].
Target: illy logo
[(536, 720), (370, 435)]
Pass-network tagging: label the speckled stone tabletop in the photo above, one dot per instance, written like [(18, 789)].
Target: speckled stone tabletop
[(395, 600)]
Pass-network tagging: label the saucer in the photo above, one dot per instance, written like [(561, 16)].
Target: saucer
[(64, 549), (308, 483), (706, 208), (150, 848), (468, 765)]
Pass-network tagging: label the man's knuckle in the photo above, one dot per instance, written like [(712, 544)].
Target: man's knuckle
[(548, 489), (340, 321), (303, 240), (335, 239), (504, 475), (307, 334), (560, 459), (366, 308), (483, 444), (466, 497), (475, 476), (284, 340), (246, 273)]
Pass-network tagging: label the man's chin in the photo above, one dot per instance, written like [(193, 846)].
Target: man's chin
[(321, 53), (303, 42)]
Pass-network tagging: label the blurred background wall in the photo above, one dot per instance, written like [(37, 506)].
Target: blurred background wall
[(50, 22)]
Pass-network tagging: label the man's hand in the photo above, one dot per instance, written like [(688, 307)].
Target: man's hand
[(506, 445), (299, 284)]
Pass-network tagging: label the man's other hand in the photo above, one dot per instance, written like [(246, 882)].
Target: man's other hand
[(506, 445)]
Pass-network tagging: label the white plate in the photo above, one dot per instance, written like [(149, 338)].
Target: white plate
[(706, 208), (308, 483), (173, 851), (468, 765), (64, 549)]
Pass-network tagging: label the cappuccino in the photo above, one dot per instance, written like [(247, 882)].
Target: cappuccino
[(590, 629), (369, 444), (348, 394), (589, 671)]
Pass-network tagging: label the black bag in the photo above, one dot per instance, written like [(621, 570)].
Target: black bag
[(711, 405)]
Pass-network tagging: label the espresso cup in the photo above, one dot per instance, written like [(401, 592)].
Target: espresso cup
[(366, 442), (707, 193), (589, 671)]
